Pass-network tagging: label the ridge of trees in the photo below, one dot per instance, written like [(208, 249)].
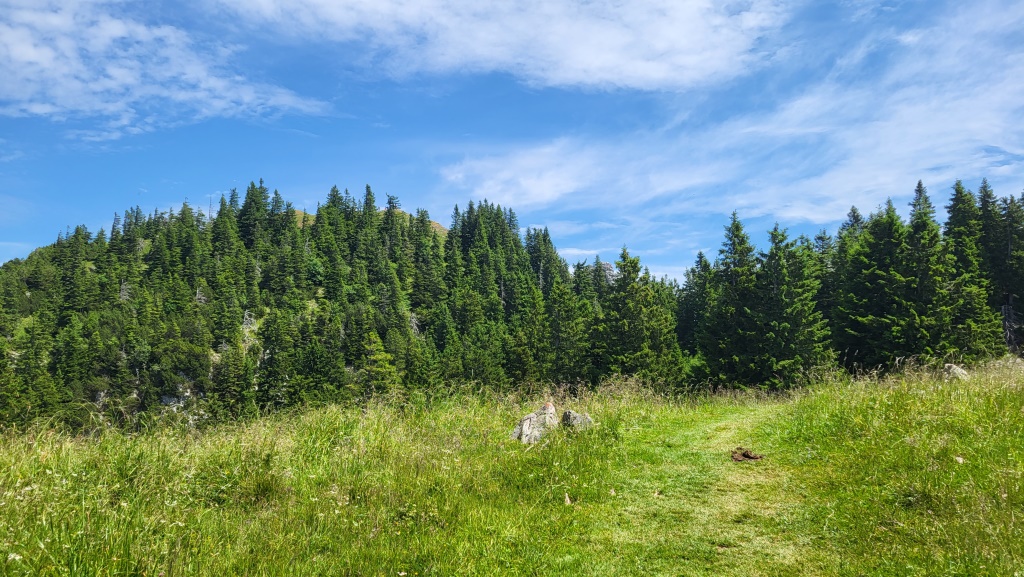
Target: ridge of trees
[(257, 308)]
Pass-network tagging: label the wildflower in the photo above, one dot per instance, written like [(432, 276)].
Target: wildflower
[(14, 557)]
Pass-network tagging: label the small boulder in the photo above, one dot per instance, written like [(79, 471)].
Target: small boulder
[(533, 426), (576, 421), (955, 372)]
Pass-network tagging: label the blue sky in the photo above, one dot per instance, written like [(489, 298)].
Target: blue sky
[(641, 123)]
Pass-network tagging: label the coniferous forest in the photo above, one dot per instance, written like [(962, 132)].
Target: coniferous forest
[(259, 306)]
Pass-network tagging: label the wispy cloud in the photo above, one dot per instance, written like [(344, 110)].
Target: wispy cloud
[(87, 58), (573, 254), (8, 154), (645, 44), (941, 102), (579, 173)]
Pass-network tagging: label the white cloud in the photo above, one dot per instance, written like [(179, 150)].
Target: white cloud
[(80, 58), (530, 177), (564, 228), (947, 105), (645, 44), (579, 173), (572, 254)]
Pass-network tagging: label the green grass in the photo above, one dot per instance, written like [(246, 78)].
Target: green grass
[(861, 478), (913, 475)]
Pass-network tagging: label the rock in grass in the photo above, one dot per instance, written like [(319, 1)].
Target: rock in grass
[(955, 372), (533, 426), (576, 421)]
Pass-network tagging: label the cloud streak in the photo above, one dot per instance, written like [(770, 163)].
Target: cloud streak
[(82, 59), (938, 103), (643, 44)]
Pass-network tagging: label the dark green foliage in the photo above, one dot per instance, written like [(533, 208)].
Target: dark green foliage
[(1009, 271), (793, 337), (693, 303), (927, 271), (545, 263), (252, 218), (973, 328), (729, 332), (873, 316), (259, 307), (992, 242), (641, 325), (757, 321), (570, 316)]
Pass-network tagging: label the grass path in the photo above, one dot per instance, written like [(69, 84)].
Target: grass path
[(683, 507)]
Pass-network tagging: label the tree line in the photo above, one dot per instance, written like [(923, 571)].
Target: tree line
[(259, 306)]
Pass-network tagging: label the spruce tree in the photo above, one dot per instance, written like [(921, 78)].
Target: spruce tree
[(837, 274), (926, 273), (13, 396), (253, 221), (627, 302), (377, 373), (973, 331), (729, 332), (873, 314), (692, 303), (793, 338), (1011, 277), (276, 368), (962, 232), (232, 391), (570, 316), (992, 242)]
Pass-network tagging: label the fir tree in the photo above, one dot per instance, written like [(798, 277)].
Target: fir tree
[(794, 337), (570, 317), (926, 273), (253, 222), (728, 334), (973, 329), (692, 303), (378, 373), (873, 314)]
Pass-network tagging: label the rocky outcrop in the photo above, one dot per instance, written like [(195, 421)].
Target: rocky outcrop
[(576, 421), (533, 426), (955, 372)]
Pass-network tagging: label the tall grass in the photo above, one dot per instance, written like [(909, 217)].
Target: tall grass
[(914, 474), (910, 475), (373, 490)]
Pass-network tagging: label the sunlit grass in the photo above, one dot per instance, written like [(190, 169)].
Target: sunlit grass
[(908, 476), (915, 474), (374, 490)]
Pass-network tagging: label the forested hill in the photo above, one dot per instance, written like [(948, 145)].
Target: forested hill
[(252, 309)]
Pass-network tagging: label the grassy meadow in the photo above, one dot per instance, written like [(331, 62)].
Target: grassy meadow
[(909, 475)]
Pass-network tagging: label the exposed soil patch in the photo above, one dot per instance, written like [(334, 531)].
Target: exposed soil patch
[(741, 454)]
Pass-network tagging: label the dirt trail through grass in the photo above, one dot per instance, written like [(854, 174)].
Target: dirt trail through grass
[(683, 507)]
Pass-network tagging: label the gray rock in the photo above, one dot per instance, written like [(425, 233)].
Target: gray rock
[(533, 426), (576, 421), (955, 372)]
